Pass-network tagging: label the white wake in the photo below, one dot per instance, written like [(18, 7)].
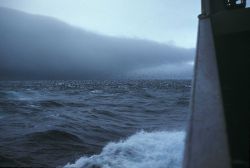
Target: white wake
[(141, 150)]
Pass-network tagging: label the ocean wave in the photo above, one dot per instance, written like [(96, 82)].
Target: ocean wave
[(27, 95), (96, 91), (16, 95), (142, 150), (51, 103), (53, 136)]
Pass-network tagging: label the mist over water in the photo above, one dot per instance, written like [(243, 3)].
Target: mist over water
[(44, 48), (88, 123)]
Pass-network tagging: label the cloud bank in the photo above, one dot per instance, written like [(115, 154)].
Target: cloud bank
[(38, 47)]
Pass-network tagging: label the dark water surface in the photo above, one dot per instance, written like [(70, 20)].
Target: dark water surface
[(52, 123)]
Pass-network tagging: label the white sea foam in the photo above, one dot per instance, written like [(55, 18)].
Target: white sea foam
[(141, 150), (96, 91), (28, 95)]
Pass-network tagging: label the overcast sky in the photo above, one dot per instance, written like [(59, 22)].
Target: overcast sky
[(166, 21)]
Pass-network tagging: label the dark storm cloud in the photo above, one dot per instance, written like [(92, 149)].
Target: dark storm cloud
[(161, 20), (37, 47)]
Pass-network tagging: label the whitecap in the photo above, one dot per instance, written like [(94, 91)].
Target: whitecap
[(96, 91), (142, 150), (24, 95)]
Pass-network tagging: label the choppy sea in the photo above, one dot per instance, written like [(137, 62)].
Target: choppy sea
[(93, 124)]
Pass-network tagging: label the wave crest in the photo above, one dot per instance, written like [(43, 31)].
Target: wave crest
[(142, 150)]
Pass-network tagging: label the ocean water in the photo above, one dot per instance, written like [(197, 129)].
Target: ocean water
[(93, 124)]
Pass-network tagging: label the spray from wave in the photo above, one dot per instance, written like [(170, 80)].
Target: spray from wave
[(142, 150)]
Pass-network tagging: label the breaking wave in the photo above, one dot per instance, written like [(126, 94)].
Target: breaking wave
[(142, 150)]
